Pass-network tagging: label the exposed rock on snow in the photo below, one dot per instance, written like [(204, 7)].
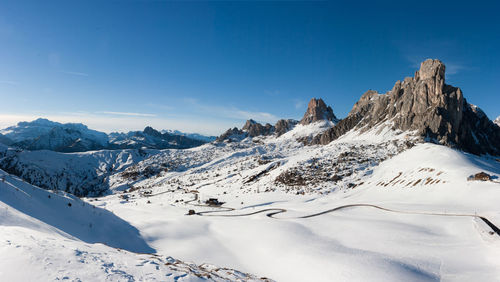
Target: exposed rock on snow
[(254, 128), (481, 176), (317, 111), (284, 125), (425, 104)]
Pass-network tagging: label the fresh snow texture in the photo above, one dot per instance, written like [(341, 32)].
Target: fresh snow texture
[(425, 229), (47, 237)]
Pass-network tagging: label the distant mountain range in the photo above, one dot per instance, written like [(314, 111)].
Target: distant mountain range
[(43, 134)]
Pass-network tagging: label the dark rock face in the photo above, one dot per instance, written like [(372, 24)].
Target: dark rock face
[(284, 125), (316, 111), (424, 104), (254, 128), (232, 134)]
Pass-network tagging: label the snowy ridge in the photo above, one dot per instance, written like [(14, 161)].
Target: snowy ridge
[(43, 134)]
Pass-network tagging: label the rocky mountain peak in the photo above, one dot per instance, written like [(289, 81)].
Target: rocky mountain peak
[(426, 105), (317, 110), (431, 69), (254, 128), (248, 124)]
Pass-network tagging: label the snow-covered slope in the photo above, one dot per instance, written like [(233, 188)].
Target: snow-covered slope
[(430, 234), (194, 136), (82, 174), (267, 163), (430, 231), (58, 237), (46, 134), (497, 121)]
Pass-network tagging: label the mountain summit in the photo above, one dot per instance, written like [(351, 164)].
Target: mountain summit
[(317, 110), (428, 106)]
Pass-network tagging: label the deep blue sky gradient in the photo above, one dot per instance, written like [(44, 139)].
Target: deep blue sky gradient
[(204, 66)]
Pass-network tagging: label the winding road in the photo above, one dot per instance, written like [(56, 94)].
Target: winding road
[(271, 212)]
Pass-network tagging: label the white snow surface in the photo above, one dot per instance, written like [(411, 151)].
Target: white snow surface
[(352, 244), (48, 236), (430, 232)]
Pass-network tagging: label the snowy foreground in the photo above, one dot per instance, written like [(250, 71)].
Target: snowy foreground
[(428, 231), (47, 237)]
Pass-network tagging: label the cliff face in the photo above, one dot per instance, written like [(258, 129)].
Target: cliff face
[(428, 106)]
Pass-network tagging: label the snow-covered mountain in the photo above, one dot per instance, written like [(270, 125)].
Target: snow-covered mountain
[(43, 134), (195, 136), (497, 121), (152, 139)]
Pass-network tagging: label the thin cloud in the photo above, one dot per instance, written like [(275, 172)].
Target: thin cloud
[(160, 106), (75, 73), (126, 114), (452, 68), (10, 82), (299, 104), (231, 112)]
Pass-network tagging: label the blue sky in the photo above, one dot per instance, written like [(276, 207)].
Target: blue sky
[(205, 66)]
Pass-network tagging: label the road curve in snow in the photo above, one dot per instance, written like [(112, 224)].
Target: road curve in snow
[(271, 212)]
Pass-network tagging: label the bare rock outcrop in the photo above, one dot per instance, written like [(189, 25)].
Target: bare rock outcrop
[(282, 126), (232, 134), (317, 110), (425, 104), (254, 128)]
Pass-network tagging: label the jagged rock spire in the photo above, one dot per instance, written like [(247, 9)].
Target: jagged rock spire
[(426, 105), (317, 110)]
